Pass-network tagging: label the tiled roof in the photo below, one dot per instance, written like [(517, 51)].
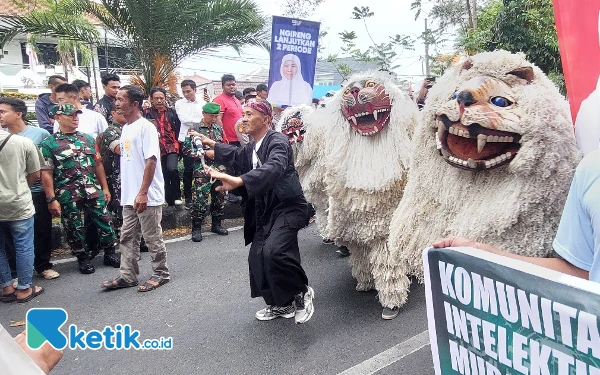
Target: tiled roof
[(240, 86), (9, 8), (198, 79)]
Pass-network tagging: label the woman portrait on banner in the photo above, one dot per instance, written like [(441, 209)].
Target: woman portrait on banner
[(291, 90)]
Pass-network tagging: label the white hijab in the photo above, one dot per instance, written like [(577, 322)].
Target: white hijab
[(290, 92)]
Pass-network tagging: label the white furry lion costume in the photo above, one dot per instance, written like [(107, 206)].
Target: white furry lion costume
[(306, 139), (367, 146), (494, 156)]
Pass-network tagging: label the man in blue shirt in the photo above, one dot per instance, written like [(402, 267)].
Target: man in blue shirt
[(12, 115), (46, 101), (577, 241)]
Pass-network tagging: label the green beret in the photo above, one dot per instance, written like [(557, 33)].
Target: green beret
[(212, 108), (64, 109)]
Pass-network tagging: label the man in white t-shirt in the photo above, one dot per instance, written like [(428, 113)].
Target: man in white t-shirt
[(142, 195), (189, 111), (577, 241)]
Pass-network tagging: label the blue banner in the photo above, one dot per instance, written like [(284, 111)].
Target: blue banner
[(293, 61)]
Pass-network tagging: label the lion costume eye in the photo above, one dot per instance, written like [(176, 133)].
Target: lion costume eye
[(347, 91), (370, 84), (499, 101)]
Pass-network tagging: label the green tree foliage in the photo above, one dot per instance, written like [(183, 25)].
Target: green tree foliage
[(526, 26), (58, 18), (299, 8), (162, 33), (385, 54)]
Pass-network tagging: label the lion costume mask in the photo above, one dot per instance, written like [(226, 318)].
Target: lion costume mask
[(366, 150), (507, 189)]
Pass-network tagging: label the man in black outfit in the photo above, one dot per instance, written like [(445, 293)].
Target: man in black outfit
[(275, 211)]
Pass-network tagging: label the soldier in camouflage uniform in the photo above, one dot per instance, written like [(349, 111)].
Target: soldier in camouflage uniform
[(71, 185), (203, 187)]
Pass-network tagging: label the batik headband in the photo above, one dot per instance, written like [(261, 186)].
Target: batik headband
[(261, 106)]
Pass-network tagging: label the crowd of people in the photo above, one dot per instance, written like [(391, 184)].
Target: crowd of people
[(106, 170)]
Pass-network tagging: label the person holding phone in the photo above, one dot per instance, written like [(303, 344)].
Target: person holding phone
[(427, 84)]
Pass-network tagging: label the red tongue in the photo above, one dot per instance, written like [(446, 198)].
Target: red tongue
[(465, 148)]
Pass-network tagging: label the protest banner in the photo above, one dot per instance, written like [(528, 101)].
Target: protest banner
[(492, 315), (294, 45)]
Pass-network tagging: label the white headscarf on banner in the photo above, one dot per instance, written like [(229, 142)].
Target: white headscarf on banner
[(290, 92)]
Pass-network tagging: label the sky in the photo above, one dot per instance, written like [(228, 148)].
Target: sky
[(391, 18)]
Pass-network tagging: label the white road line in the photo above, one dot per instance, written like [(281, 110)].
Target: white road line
[(388, 357), (177, 239)]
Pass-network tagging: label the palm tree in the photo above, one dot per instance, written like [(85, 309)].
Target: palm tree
[(53, 17), (162, 33), (159, 33)]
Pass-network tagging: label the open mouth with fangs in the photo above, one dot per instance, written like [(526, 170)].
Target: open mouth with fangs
[(475, 147), (367, 121), (294, 134)]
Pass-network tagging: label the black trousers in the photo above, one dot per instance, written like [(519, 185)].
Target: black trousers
[(171, 177), (42, 240), (276, 274)]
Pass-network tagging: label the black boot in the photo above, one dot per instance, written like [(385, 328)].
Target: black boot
[(217, 228), (196, 230), (84, 264), (112, 259)]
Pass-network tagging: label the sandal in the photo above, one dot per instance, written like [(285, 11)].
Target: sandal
[(8, 298), (147, 287), (31, 296), (118, 283)]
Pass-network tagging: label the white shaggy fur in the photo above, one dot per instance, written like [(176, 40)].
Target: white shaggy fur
[(515, 207), (365, 176), (309, 163)]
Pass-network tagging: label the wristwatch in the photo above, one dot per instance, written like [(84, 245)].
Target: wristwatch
[(50, 200)]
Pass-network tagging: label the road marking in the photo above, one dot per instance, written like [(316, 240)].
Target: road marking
[(388, 357), (178, 239)]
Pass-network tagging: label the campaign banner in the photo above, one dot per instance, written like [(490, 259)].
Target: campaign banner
[(578, 28), (294, 45), (492, 315)]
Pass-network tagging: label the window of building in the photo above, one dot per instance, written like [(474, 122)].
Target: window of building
[(118, 58)]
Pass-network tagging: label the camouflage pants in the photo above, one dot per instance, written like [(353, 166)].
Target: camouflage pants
[(74, 228), (202, 191)]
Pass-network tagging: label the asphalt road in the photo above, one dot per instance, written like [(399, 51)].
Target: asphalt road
[(208, 311)]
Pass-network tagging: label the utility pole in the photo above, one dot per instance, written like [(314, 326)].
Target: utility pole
[(94, 69), (106, 50), (426, 34)]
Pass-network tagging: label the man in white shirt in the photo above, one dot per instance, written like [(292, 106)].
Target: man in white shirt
[(142, 195), (189, 111), (90, 122)]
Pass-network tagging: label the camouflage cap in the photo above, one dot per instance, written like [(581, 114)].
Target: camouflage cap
[(64, 109)]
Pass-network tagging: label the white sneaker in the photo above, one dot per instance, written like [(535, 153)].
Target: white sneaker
[(178, 202), (49, 274), (304, 306), (274, 312)]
